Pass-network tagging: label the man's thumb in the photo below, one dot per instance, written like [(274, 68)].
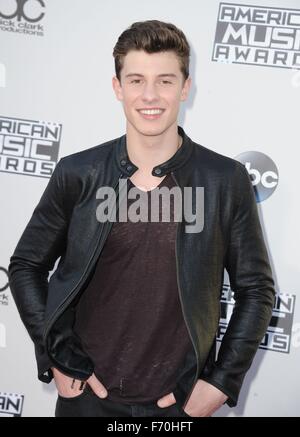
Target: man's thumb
[(96, 386), (166, 401)]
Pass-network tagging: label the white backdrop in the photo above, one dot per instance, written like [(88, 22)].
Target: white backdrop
[(59, 69)]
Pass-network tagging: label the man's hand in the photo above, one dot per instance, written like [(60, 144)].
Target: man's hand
[(204, 400), (68, 388)]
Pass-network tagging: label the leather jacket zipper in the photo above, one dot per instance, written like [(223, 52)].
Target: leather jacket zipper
[(180, 296), (76, 288)]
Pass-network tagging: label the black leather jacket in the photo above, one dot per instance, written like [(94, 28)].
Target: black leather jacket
[(64, 225)]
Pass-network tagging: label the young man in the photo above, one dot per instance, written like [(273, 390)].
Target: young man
[(132, 310)]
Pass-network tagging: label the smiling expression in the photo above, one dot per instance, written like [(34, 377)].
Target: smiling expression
[(151, 89)]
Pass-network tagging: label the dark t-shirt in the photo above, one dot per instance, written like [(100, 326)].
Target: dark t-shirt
[(129, 318)]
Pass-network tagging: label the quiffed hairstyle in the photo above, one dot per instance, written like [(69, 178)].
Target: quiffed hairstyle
[(152, 36)]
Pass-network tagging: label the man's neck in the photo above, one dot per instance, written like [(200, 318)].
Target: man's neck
[(147, 151)]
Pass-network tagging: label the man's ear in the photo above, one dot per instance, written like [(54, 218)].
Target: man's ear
[(186, 88), (117, 88)]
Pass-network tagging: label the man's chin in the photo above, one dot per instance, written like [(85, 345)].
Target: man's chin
[(150, 130)]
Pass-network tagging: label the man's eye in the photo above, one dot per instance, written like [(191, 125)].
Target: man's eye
[(139, 80)]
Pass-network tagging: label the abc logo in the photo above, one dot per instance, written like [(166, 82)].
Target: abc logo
[(262, 171), (29, 10)]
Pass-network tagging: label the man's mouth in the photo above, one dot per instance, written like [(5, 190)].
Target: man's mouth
[(151, 114)]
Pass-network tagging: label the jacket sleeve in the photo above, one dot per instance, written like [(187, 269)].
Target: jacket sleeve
[(250, 275), (40, 245)]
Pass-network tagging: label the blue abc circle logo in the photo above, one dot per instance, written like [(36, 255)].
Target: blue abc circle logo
[(262, 171)]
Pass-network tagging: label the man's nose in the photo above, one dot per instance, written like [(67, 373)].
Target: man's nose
[(149, 92)]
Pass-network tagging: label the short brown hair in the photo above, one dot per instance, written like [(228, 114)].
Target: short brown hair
[(152, 36)]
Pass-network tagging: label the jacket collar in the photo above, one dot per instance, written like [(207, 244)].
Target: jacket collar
[(179, 158)]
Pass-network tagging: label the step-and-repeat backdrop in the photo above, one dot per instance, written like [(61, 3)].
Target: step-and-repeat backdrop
[(56, 98)]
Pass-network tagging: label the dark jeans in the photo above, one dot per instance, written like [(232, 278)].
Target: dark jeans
[(87, 404)]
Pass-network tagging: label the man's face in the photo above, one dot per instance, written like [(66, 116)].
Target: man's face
[(151, 81)]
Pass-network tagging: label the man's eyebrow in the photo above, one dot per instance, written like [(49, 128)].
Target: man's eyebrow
[(159, 75)]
